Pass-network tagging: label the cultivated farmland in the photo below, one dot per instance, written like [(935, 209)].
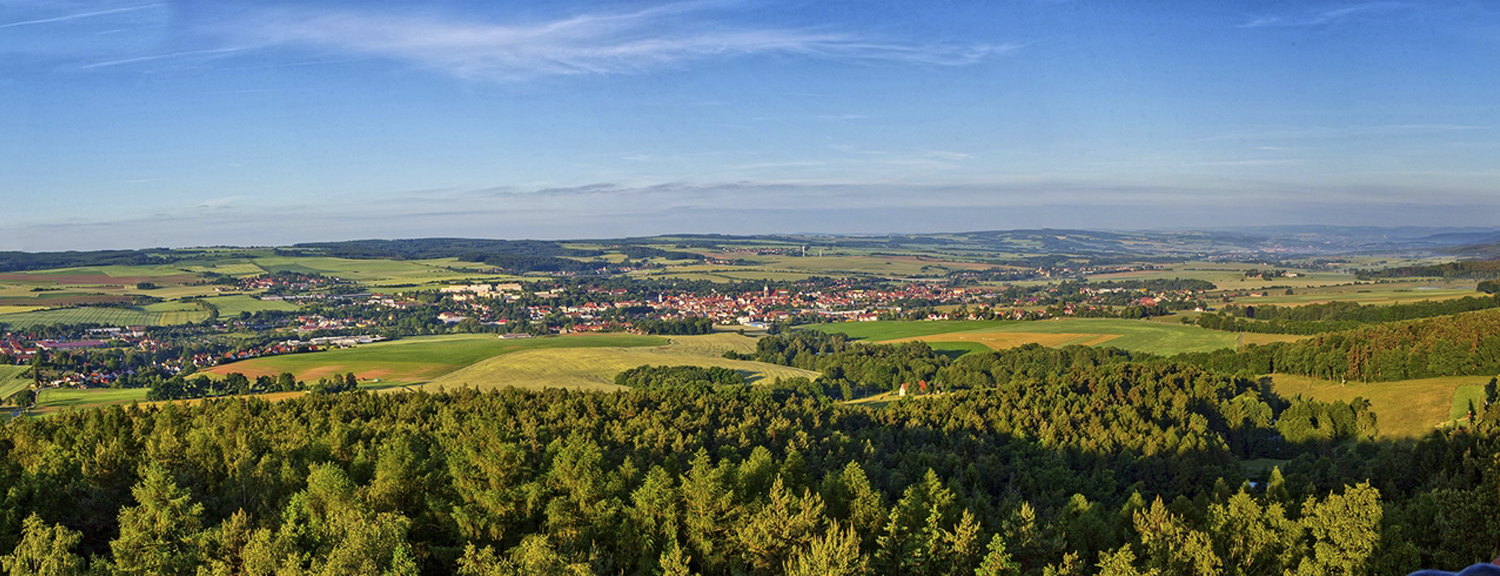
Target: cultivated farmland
[(160, 314), (418, 359)]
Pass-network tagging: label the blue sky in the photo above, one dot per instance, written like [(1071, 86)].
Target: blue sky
[(129, 124)]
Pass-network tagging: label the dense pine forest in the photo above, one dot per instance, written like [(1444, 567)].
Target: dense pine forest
[(1113, 467)]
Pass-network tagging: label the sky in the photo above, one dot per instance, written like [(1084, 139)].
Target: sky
[(129, 124)]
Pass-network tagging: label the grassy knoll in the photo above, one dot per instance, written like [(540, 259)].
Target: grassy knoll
[(715, 344), (230, 306), (55, 399), (1403, 409), (595, 368), (1155, 337), (417, 359)]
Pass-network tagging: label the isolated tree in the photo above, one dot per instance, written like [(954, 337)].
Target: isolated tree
[(26, 398)]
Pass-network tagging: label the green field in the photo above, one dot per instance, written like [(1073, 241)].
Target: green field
[(54, 399), (1139, 335), (593, 368), (160, 314), (1465, 397), (11, 381), (417, 359), (231, 306), (1403, 409)]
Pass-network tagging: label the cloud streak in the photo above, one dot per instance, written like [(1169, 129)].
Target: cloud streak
[(80, 15), (603, 43), (1325, 17)]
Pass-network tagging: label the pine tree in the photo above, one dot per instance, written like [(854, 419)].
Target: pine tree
[(160, 535), (997, 562)]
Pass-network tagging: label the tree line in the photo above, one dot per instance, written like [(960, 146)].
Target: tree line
[(1333, 316)]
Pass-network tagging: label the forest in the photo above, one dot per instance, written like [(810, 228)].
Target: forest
[(1483, 269), (1122, 468), (1333, 316)]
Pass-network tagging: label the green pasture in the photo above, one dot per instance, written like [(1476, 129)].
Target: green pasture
[(956, 349), (230, 306), (55, 399), (1403, 409), (1139, 335), (417, 359), (1465, 397)]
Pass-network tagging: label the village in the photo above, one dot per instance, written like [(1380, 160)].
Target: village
[(334, 313)]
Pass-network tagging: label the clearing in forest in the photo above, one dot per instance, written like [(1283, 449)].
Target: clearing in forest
[(1403, 409)]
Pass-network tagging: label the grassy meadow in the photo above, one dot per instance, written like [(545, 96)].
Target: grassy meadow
[(1403, 409), (56, 399), (230, 306)]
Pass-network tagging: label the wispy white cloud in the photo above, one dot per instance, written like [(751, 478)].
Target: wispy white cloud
[(594, 43), (1326, 16), (1294, 133), (211, 53), (81, 15)]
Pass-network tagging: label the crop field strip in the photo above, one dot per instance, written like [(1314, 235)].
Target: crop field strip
[(105, 316)]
